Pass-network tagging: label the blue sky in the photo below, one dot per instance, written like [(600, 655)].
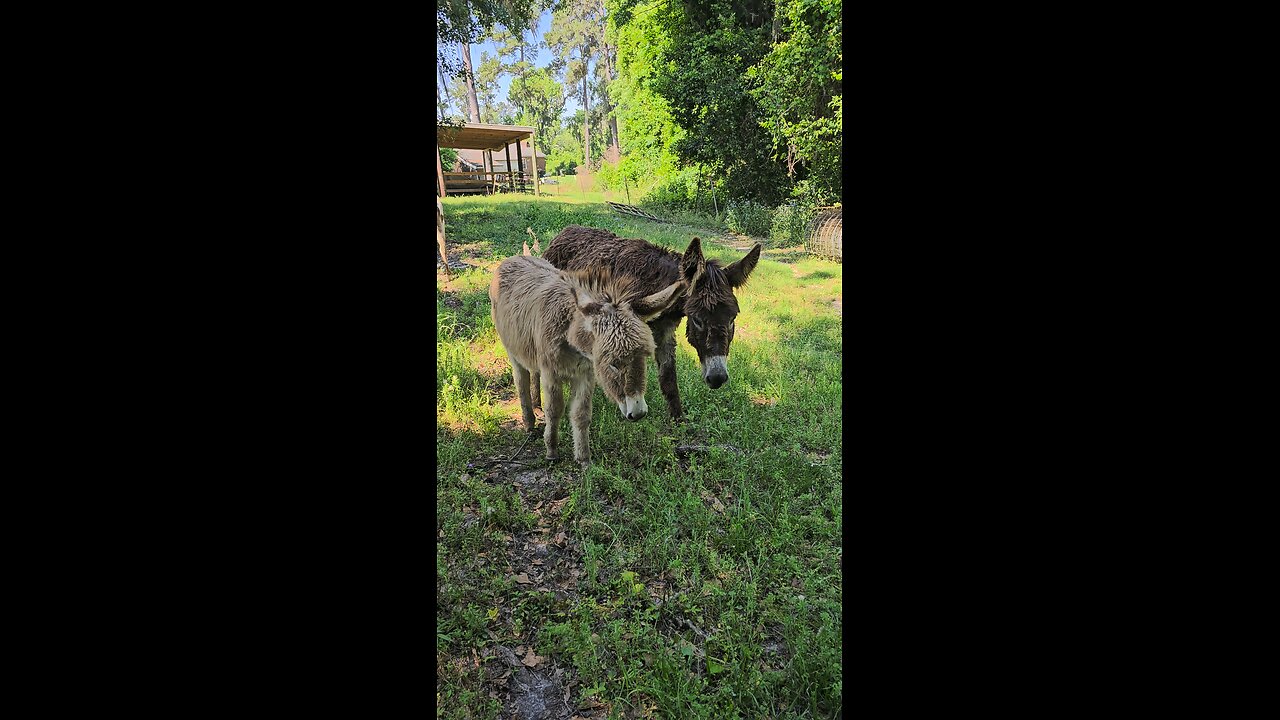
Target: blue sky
[(542, 60)]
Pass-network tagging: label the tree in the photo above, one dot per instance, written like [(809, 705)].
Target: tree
[(646, 149), (491, 109), (540, 99), (459, 22), (752, 85), (797, 85), (473, 104), (577, 26)]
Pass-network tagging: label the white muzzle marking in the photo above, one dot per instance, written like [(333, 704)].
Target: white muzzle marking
[(633, 408), (715, 366)]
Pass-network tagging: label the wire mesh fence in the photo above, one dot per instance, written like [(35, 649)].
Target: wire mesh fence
[(824, 236)]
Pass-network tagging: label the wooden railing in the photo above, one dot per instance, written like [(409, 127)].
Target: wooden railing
[(488, 181)]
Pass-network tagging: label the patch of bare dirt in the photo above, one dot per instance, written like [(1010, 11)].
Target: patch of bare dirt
[(533, 689)]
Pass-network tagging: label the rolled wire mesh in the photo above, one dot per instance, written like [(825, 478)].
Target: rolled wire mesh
[(824, 236)]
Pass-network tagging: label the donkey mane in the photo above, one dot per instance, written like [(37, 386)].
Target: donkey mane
[(603, 286), (711, 287)]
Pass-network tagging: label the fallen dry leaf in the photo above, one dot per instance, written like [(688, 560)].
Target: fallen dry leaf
[(523, 579), (537, 562), (560, 538), (532, 659)]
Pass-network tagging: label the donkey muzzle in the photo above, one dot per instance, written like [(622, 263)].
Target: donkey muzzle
[(633, 408), (714, 371)]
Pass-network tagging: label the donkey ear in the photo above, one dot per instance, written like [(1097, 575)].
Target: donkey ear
[(586, 304), (651, 306), (692, 265), (738, 272)]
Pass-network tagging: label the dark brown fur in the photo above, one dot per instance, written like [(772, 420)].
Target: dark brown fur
[(710, 305)]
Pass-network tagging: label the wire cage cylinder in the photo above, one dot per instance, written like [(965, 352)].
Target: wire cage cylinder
[(824, 236)]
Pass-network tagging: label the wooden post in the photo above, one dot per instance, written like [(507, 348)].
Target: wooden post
[(439, 169), (444, 255), (507, 147), (533, 150), (520, 161)]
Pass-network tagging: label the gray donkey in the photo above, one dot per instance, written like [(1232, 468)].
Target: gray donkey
[(579, 327)]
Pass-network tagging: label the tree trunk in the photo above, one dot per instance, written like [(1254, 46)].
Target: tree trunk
[(586, 118), (473, 105), (444, 85), (608, 107)]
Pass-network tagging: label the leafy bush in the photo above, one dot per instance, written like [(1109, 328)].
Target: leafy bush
[(789, 223), (448, 158), (748, 218), (562, 163), (676, 192), (607, 177)]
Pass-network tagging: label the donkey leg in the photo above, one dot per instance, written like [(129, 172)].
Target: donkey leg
[(536, 389), (521, 376), (552, 413), (666, 357), (580, 416)]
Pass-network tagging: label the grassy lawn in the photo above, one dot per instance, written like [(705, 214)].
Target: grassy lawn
[(693, 570)]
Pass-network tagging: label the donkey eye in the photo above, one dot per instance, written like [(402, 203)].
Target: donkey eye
[(613, 369)]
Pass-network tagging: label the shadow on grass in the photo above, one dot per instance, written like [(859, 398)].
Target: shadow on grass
[(817, 275)]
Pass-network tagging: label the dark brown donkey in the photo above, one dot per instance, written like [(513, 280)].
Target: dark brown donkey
[(709, 305)]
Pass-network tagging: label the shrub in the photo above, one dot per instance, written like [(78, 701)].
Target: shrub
[(789, 223), (748, 218), (676, 192), (448, 158), (562, 163)]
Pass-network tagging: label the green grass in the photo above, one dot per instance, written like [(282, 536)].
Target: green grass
[(738, 538)]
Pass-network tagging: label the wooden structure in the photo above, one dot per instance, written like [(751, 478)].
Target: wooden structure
[(481, 136)]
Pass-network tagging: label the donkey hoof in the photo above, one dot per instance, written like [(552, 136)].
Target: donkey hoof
[(553, 456)]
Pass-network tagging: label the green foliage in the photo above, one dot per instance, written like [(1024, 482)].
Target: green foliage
[(644, 116), (790, 221), (448, 158), (560, 162), (797, 86), (729, 85), (748, 218)]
